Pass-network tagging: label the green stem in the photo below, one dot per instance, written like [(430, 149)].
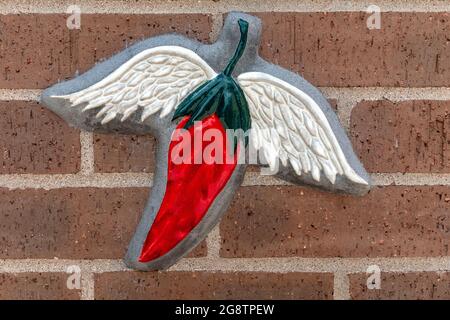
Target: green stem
[(243, 26)]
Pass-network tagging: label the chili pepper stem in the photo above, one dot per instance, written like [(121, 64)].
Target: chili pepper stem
[(221, 96), (243, 27)]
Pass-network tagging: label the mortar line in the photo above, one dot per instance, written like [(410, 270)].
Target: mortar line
[(315, 265), (355, 94), (411, 179), (213, 243), (341, 286), (394, 94), (216, 27), (20, 94), (186, 6), (344, 112), (87, 153), (57, 181), (145, 180), (378, 179), (87, 286), (273, 265)]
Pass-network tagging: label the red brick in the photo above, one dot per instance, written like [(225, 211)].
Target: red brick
[(124, 153), (337, 49), (292, 221), (35, 140), (72, 223), (36, 286), (213, 285), (409, 136), (200, 251), (403, 286), (37, 50), (333, 104)]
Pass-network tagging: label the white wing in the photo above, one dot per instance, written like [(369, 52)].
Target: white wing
[(288, 125), (155, 80)]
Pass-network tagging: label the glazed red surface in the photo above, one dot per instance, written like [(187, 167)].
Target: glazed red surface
[(191, 189)]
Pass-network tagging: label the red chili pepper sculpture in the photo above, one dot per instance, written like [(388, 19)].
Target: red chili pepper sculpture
[(192, 187), (166, 86)]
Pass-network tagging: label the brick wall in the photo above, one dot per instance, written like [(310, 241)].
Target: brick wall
[(71, 198)]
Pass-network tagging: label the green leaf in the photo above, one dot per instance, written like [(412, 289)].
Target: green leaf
[(221, 95)]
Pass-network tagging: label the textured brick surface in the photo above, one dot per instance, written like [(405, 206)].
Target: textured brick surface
[(333, 103), (337, 49), (217, 285), (395, 286), (35, 140), (36, 286), (124, 153), (200, 251), (292, 221), (36, 50), (328, 49), (409, 136), (70, 223)]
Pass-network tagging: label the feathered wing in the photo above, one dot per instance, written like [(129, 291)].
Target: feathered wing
[(288, 125), (155, 80)]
